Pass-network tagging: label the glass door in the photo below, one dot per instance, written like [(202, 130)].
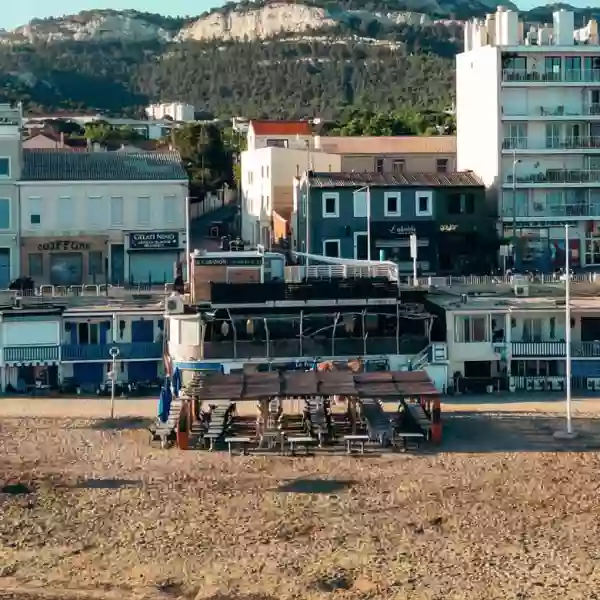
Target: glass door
[(552, 135)]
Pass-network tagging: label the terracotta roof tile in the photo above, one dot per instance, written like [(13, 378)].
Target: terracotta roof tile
[(281, 127), (329, 180), (65, 165)]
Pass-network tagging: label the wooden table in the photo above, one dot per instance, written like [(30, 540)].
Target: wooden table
[(243, 441), (351, 440), (305, 441)]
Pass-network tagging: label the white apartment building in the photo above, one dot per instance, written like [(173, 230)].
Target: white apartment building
[(96, 217), (528, 122), (178, 111), (278, 152)]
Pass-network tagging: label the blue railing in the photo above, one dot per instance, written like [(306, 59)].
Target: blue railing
[(131, 351), (16, 354), (555, 349)]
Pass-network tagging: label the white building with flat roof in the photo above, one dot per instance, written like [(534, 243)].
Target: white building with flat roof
[(178, 111), (528, 123)]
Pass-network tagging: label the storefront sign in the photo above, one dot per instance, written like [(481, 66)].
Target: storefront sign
[(154, 240), (401, 230), (229, 261), (447, 228), (63, 245)]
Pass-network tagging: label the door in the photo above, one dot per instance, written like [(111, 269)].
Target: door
[(117, 264), (143, 370), (142, 331), (4, 268), (361, 248), (152, 267), (88, 373), (66, 269)]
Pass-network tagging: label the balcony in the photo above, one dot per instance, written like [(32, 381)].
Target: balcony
[(545, 210), (31, 354), (132, 351), (552, 144), (567, 76), (556, 176), (555, 349), (540, 113)]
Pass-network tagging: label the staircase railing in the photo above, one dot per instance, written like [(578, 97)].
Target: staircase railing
[(421, 360)]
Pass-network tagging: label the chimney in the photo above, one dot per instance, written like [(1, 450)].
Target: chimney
[(89, 144), (62, 139)]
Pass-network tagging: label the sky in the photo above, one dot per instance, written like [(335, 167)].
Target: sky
[(19, 12)]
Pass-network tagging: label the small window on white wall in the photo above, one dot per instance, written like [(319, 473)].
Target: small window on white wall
[(35, 211), (170, 211), (331, 205), (143, 210), (96, 212), (331, 248), (116, 211), (392, 206), (424, 204), (65, 218)]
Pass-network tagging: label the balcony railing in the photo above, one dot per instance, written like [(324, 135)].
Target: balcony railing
[(25, 354), (558, 176), (550, 211), (131, 351), (566, 76), (592, 110), (550, 143), (313, 347), (555, 349)]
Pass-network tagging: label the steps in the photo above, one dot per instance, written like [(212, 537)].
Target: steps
[(163, 430), (379, 426), (419, 417)]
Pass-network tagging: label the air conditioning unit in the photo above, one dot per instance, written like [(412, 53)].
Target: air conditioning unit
[(521, 290), (174, 305)]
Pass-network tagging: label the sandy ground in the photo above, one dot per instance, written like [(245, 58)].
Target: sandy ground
[(501, 511)]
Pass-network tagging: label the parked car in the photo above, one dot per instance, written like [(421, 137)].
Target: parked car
[(69, 385)]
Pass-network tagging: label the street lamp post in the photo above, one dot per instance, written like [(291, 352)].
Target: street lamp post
[(114, 352), (569, 433), (367, 189)]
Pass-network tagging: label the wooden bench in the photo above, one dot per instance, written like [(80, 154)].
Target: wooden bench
[(244, 442), (271, 438), (352, 440), (404, 437), (305, 441), (211, 438)]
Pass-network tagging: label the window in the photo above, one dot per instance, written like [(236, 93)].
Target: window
[(379, 165), (96, 214), (532, 330), (262, 171), (461, 204), (250, 177), (331, 248), (552, 68), (143, 210), (392, 204), (95, 263), (65, 219), (169, 210), (116, 211), (553, 135), (36, 265), (441, 165), (4, 213), (398, 167), (4, 167), (331, 206), (424, 202), (35, 210), (274, 143), (267, 171), (472, 329), (360, 198), (454, 204)]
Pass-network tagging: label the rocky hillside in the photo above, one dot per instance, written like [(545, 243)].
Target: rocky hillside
[(254, 20)]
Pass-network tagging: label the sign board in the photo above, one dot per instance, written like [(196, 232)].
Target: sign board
[(63, 246), (401, 230), (154, 240), (228, 261), (449, 227)]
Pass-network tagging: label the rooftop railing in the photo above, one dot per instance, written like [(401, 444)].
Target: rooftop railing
[(549, 211), (592, 110)]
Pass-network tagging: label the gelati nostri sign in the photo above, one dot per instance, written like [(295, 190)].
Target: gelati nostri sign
[(154, 240)]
